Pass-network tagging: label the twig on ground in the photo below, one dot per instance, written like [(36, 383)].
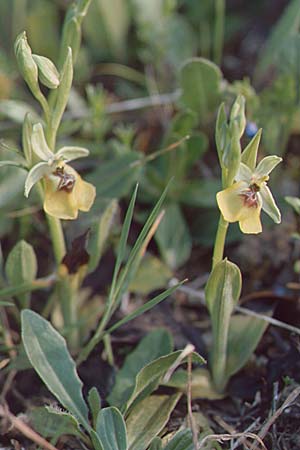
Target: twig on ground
[(25, 429), (288, 402), (228, 437), (201, 296), (191, 420)]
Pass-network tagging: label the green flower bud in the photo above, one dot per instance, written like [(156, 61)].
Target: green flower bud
[(238, 114), (26, 63), (47, 72)]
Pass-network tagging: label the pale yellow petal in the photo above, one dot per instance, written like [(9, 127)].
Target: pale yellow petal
[(85, 194), (65, 204), (230, 201), (250, 220), (60, 204)]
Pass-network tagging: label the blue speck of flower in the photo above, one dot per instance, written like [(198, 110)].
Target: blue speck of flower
[(251, 129)]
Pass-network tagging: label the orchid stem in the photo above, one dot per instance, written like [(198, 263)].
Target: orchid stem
[(220, 241), (57, 237)]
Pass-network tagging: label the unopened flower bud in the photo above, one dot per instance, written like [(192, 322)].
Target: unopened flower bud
[(26, 63), (47, 72)]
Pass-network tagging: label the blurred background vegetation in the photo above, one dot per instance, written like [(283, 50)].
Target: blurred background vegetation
[(148, 74)]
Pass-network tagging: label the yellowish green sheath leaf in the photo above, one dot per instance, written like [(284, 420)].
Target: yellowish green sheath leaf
[(222, 294)]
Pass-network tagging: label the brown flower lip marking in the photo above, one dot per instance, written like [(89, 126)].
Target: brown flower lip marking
[(249, 196), (66, 182)]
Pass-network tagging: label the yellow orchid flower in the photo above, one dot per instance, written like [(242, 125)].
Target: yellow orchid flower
[(243, 201), (65, 192)]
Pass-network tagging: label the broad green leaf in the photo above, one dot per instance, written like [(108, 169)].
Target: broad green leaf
[(97, 445), (148, 418), (48, 354), (244, 335), (152, 346), (287, 25), (222, 294), (151, 375), (111, 429), (156, 444), (200, 81), (183, 440), (21, 267), (94, 402), (100, 233), (173, 237), (183, 122), (152, 274), (53, 423), (114, 179)]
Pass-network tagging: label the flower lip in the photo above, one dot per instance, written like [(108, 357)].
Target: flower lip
[(66, 180), (249, 196)]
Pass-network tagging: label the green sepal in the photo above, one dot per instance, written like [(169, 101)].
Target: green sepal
[(39, 144), (269, 205), (266, 165), (63, 91), (26, 138), (249, 154), (232, 155), (221, 135), (70, 153), (36, 173)]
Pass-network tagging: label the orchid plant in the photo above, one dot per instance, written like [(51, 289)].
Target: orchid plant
[(245, 193)]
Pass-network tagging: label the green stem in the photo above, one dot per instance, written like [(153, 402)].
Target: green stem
[(220, 241), (57, 237), (218, 31), (67, 290), (44, 104)]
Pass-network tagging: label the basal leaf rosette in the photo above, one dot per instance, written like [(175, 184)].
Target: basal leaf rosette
[(65, 192), (243, 201)]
